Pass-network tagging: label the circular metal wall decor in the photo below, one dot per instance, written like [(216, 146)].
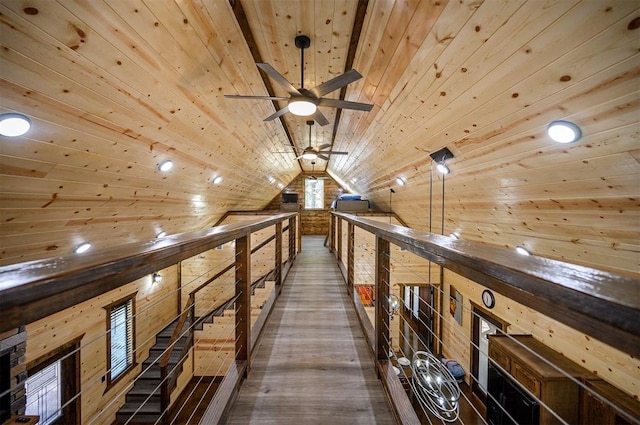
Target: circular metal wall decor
[(436, 388)]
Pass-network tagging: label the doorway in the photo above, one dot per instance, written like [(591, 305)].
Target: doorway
[(484, 324)]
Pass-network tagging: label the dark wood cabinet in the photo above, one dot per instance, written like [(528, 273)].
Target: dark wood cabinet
[(519, 355), (596, 411)]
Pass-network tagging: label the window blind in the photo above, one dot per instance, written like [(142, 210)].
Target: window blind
[(121, 338)]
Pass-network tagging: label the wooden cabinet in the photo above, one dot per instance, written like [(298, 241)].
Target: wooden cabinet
[(596, 411), (518, 355)]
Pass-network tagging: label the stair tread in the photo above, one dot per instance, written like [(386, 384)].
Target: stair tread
[(149, 407)]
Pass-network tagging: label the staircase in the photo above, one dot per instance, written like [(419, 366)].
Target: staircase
[(148, 385)]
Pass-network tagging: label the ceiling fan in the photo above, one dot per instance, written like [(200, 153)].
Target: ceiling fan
[(305, 102), (319, 152)]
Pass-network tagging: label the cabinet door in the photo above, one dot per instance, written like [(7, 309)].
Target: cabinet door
[(501, 358), (594, 411), (526, 377)]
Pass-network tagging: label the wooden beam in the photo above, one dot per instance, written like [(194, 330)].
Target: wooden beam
[(243, 301), (278, 258), (595, 302), (382, 295), (350, 257), (339, 250)]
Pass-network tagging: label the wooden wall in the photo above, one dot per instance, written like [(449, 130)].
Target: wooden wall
[(155, 307), (312, 222), (614, 366)]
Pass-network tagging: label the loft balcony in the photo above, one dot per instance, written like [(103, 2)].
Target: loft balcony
[(252, 323)]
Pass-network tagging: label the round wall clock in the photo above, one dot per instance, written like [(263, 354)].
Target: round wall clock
[(488, 299)]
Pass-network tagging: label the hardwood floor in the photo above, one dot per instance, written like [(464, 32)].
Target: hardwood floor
[(312, 365)]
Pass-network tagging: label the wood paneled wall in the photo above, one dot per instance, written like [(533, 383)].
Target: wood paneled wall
[(155, 307), (312, 222), (612, 365)]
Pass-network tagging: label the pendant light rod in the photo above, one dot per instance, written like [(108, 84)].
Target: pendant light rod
[(302, 42)]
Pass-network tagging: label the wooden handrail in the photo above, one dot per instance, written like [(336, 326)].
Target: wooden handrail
[(33, 290), (595, 302)]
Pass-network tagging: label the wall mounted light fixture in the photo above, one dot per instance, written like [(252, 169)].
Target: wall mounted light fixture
[(522, 250), (156, 278)]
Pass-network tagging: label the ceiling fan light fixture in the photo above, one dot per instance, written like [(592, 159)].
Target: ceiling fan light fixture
[(310, 155), (302, 107)]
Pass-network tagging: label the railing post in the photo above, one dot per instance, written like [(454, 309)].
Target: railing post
[(243, 303), (292, 238), (332, 230), (339, 240), (350, 256), (278, 258), (382, 296)]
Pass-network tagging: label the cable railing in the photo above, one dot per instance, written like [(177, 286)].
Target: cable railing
[(32, 292), (592, 302)]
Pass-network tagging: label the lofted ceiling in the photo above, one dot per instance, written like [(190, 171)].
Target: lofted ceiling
[(115, 87)]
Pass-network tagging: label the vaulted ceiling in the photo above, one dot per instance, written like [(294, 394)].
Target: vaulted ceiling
[(115, 87)]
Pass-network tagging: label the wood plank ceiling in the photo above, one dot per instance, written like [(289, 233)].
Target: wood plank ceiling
[(116, 87)]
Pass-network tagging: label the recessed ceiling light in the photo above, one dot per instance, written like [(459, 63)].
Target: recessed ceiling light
[(165, 165), (83, 247), (302, 107), (442, 168), (14, 125), (522, 250), (217, 180), (161, 235), (564, 131), (401, 181)]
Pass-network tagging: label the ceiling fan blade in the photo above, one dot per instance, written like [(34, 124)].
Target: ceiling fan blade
[(336, 83), (277, 114), (319, 118), (326, 158), (323, 147), (240, 96), (278, 78), (333, 153), (344, 104)]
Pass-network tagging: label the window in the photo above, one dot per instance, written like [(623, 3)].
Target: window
[(44, 394), (313, 194), (120, 338)]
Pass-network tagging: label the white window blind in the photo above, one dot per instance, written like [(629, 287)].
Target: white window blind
[(313, 194), (121, 338)]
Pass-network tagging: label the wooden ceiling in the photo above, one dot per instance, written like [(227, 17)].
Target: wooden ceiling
[(115, 87)]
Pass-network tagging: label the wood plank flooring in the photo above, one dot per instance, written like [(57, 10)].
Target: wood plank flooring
[(312, 365)]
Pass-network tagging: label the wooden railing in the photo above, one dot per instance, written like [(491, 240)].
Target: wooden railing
[(597, 303), (35, 290)]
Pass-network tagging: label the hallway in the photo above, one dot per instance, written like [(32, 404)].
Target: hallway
[(312, 365)]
